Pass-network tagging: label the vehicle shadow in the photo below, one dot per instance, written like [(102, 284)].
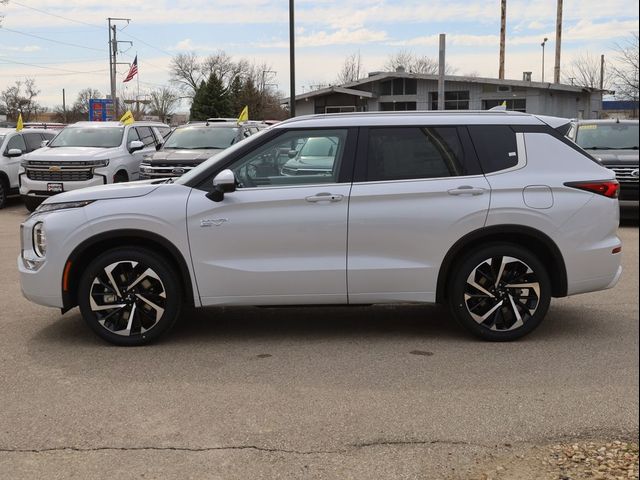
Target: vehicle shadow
[(272, 324)]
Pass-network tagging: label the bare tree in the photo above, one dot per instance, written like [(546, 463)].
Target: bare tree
[(2, 2), (186, 72), (20, 98), (163, 101), (352, 69), (584, 71), (626, 70), (415, 64), (81, 105), (224, 67)]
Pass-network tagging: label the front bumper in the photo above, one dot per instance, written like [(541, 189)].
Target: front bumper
[(38, 188)]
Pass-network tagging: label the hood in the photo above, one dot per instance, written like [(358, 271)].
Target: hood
[(617, 157), (182, 157), (104, 192), (69, 153)]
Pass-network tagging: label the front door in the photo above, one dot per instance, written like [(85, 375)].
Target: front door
[(280, 238)]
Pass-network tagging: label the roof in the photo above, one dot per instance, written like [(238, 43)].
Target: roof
[(351, 87), (447, 117), (4, 131), (115, 124)]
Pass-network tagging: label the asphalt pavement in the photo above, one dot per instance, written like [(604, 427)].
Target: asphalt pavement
[(353, 392)]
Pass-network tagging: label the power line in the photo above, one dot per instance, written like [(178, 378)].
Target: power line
[(4, 60), (145, 43), (51, 40), (54, 15)]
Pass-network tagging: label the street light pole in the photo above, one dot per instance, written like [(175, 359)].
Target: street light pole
[(292, 63), (542, 45)]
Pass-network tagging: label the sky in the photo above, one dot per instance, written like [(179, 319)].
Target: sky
[(63, 44)]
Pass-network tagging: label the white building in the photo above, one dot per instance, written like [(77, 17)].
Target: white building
[(408, 91)]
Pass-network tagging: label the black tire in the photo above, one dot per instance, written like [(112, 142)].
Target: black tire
[(125, 267), (120, 177), (4, 191), (31, 202), (498, 310)]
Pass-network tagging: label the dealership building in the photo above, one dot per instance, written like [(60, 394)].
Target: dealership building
[(400, 90)]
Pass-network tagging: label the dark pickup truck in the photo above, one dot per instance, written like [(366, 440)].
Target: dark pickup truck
[(615, 144)]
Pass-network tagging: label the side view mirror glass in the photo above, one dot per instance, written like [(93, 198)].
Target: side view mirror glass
[(13, 152), (159, 146), (135, 145), (224, 182)]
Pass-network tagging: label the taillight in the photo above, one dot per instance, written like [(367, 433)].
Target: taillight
[(608, 188)]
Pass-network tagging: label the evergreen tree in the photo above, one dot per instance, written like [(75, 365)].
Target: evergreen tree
[(218, 103), (235, 95), (199, 103)]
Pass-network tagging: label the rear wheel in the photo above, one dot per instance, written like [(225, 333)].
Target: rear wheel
[(500, 292), (129, 296)]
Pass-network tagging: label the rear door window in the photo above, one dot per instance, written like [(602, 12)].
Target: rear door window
[(416, 152), (495, 145)]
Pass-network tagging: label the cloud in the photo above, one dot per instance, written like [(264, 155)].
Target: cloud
[(25, 48), (338, 37)]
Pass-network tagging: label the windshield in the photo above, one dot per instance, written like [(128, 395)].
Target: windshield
[(201, 138), (107, 137), (220, 157), (610, 136)]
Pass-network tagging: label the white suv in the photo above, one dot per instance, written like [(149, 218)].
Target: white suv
[(493, 213), (13, 146), (86, 154)]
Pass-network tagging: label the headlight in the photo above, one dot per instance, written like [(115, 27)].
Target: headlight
[(52, 207), (145, 168), (39, 240), (99, 163)]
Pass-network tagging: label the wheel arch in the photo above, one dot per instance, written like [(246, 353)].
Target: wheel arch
[(534, 240), (82, 255)]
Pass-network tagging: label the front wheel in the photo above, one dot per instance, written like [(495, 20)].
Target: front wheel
[(129, 296), (31, 203), (499, 292)]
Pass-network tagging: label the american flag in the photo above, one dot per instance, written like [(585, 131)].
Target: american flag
[(132, 71)]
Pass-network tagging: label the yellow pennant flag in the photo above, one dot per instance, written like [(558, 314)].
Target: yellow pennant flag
[(504, 104), (127, 118), (19, 124), (244, 115)]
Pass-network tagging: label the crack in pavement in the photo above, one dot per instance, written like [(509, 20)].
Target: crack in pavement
[(374, 443)]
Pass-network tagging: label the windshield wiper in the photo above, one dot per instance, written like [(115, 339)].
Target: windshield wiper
[(599, 148)]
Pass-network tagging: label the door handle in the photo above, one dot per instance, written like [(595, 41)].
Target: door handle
[(466, 190), (324, 197)]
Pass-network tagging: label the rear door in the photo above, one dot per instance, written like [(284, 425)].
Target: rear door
[(417, 191)]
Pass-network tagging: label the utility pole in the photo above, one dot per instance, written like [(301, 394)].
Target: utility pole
[(601, 72), (556, 68), (503, 30), (441, 67), (64, 107), (292, 63), (542, 45), (113, 58)]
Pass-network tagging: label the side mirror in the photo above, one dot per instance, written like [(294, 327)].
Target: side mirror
[(13, 152), (159, 146), (224, 182), (135, 145), (292, 153), (44, 143)]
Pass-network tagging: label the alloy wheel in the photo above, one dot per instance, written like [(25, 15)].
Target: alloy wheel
[(127, 298), (502, 293)]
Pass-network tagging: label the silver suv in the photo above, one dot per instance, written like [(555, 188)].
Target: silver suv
[(492, 213)]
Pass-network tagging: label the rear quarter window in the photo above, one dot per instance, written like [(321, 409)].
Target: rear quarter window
[(495, 146)]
